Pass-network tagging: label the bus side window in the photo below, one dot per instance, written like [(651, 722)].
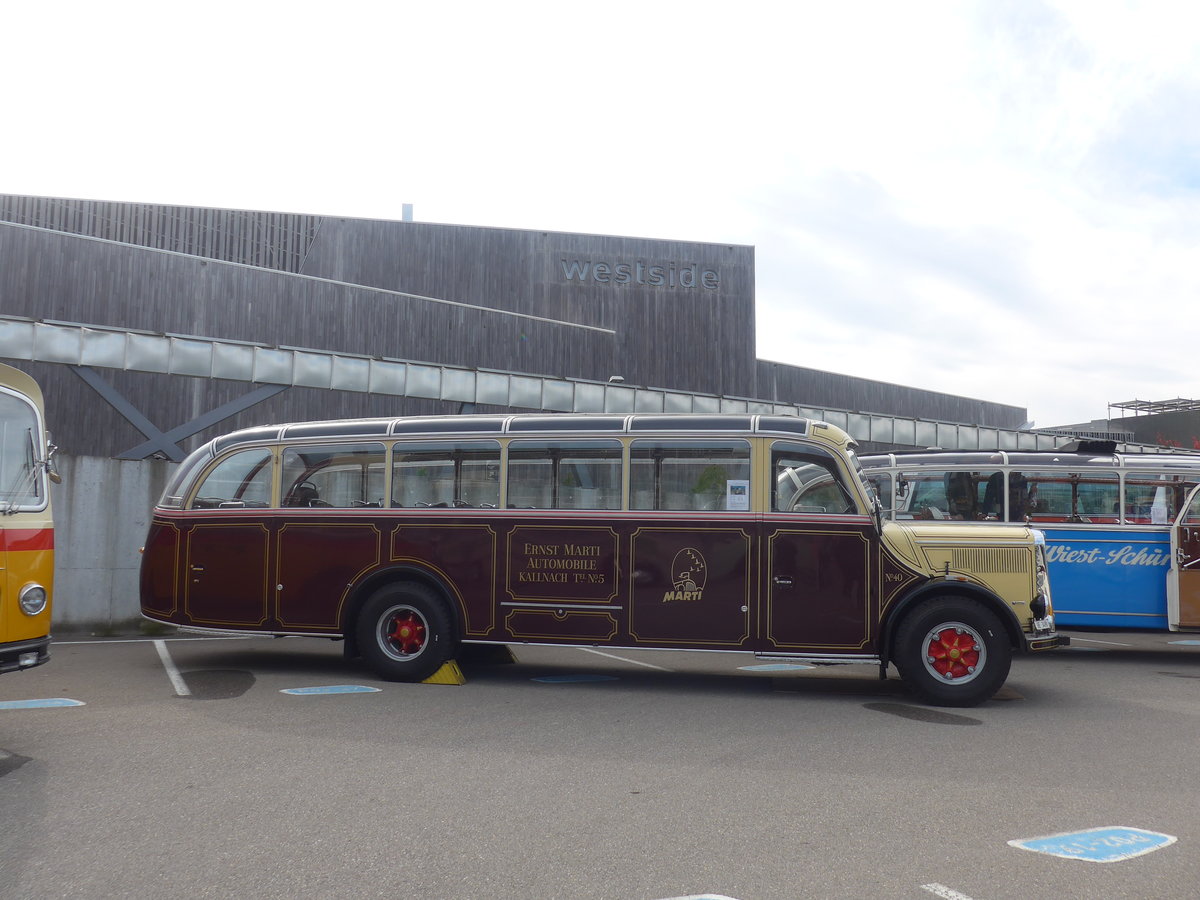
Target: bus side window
[(1049, 496), (463, 474), (808, 481), (564, 474), (992, 506), (1155, 499), (926, 496), (238, 481), (1097, 498), (882, 482), (339, 475), (1192, 516), (688, 474)]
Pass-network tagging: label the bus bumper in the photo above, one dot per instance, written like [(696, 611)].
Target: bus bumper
[(1046, 642), (24, 654)]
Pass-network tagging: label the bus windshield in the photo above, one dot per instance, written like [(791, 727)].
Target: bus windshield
[(26, 524), (20, 482)]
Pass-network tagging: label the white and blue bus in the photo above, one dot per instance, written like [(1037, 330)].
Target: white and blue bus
[(1112, 520)]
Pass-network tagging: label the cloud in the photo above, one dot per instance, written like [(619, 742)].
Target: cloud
[(996, 200)]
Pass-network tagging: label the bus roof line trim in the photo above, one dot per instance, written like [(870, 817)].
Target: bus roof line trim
[(467, 426)]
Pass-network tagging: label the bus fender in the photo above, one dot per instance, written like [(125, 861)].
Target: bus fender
[(360, 592), (939, 588)]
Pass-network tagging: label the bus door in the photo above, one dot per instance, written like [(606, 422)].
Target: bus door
[(819, 550), (223, 552), (1183, 578)]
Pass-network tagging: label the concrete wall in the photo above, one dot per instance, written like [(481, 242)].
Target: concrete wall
[(101, 514)]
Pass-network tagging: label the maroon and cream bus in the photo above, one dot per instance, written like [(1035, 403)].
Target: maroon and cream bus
[(408, 537)]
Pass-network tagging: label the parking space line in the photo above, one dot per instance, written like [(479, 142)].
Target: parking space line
[(635, 662), (177, 682), (940, 890), (224, 637), (1076, 637)]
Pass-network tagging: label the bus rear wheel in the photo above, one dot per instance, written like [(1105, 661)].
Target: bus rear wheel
[(404, 632), (952, 651)]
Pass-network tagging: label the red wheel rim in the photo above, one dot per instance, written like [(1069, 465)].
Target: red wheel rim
[(954, 652), (403, 631)]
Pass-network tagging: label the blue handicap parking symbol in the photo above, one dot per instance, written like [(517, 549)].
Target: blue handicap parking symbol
[(1112, 843), (40, 704)]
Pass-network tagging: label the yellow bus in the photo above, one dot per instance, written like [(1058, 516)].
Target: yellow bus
[(26, 525)]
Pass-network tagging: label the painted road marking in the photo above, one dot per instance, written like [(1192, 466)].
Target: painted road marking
[(1186, 643), (224, 637), (177, 682), (636, 662), (573, 679), (944, 892), (702, 897), (775, 667), (333, 689), (1075, 638), (39, 704), (1111, 843), (177, 679)]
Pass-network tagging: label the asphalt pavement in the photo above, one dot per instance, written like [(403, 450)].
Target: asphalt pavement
[(210, 767)]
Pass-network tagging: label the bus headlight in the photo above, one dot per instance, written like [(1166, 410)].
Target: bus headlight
[(33, 599), (1039, 607)]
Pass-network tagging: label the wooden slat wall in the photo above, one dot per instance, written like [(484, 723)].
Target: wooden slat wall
[(270, 240), (685, 338), (811, 387), (688, 339), (44, 275)]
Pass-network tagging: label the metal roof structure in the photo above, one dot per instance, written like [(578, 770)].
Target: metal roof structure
[(1154, 407), (272, 369)]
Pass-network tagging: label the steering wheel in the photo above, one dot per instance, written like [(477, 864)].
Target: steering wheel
[(293, 497)]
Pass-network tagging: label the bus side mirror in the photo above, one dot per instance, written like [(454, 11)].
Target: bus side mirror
[(903, 486), (51, 467)]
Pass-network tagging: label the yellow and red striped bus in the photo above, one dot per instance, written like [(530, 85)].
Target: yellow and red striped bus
[(26, 524)]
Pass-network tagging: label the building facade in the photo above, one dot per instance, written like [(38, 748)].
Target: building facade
[(98, 286)]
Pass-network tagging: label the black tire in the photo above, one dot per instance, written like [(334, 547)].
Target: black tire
[(404, 632), (952, 651)]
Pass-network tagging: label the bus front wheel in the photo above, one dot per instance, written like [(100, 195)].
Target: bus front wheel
[(952, 651), (404, 632)]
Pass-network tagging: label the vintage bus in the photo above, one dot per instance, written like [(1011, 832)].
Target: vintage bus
[(26, 525), (1108, 517), (407, 537)]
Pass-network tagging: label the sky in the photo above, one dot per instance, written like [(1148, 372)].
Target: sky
[(998, 200)]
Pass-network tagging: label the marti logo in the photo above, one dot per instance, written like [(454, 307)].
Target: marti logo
[(670, 275), (688, 574)]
